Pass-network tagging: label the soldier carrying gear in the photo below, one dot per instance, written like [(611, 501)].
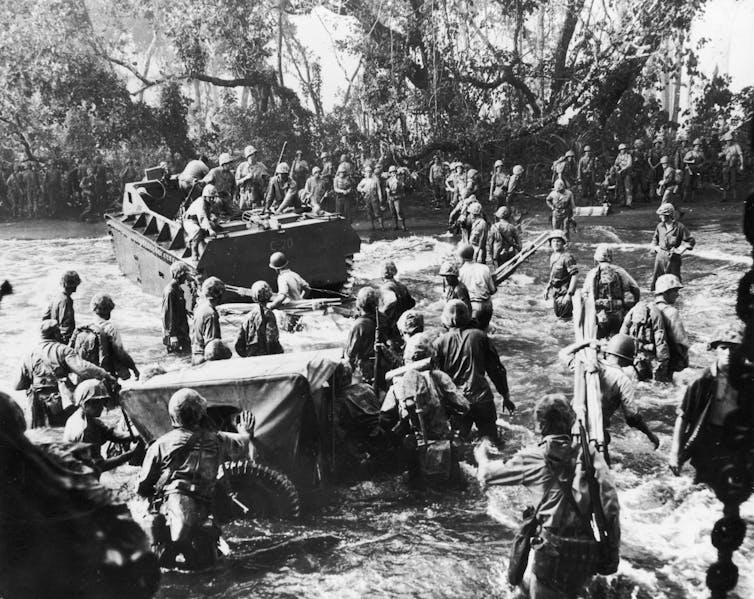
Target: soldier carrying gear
[(396, 195), (372, 191), (343, 190), (48, 363), (259, 334), (452, 286), (61, 308), (251, 179), (670, 241), (299, 169), (179, 477), (504, 238), (478, 229), (667, 190), (693, 162), (478, 280), (613, 291), (563, 276), (733, 165), (206, 319), (224, 180), (291, 285), (565, 169)]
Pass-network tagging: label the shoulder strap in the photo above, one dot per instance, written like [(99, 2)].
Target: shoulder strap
[(179, 455)]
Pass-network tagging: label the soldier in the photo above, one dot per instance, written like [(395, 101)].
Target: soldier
[(670, 241), (88, 193), (455, 183), (328, 173), (53, 188), (291, 285), (624, 176), (700, 432), (585, 174), (101, 180), (478, 231), (179, 477), (299, 169), (259, 335), (515, 184), (560, 201), (437, 181), (657, 168), (370, 189), (395, 296), (693, 162), (129, 174), (206, 319), (452, 286), (473, 184), (175, 328), (733, 165), (396, 195), (613, 291), (640, 168), (343, 190), (224, 181), (561, 560), (563, 276), (345, 162), (466, 354), (498, 185), (503, 239), (250, 180), (478, 280), (315, 190), (565, 169), (61, 308), (200, 220), (49, 362), (667, 190), (282, 191)]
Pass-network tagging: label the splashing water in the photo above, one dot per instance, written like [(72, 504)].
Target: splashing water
[(394, 543)]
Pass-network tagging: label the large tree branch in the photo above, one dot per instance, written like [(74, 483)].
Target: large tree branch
[(16, 127), (559, 74)]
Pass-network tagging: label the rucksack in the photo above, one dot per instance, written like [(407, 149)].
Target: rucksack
[(641, 327), (608, 284), (85, 341)]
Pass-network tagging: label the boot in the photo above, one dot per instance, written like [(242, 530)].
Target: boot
[(403, 224)]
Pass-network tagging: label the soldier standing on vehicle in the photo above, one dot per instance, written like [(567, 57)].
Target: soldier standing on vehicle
[(613, 291), (670, 241), (733, 165), (396, 196), (176, 335), (299, 169), (585, 174), (224, 181), (624, 185), (564, 555), (259, 335), (282, 192), (250, 180), (452, 286), (560, 201), (466, 354), (563, 276), (498, 185), (200, 220), (206, 324), (179, 477), (503, 239), (700, 431), (61, 308), (314, 190), (47, 364)]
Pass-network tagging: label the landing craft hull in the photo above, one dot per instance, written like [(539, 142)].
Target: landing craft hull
[(146, 242)]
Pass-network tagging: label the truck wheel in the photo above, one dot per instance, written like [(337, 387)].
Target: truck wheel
[(266, 493)]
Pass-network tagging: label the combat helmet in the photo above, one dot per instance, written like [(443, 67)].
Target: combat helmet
[(448, 269), (282, 168), (730, 334), (622, 347), (666, 283), (557, 234), (278, 260), (261, 292), (186, 408)]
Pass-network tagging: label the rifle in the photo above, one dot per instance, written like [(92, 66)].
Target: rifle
[(504, 271), (375, 384), (282, 153), (598, 518)]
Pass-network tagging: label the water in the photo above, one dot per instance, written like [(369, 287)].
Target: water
[(376, 538)]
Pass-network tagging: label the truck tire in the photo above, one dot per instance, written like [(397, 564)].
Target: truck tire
[(266, 492)]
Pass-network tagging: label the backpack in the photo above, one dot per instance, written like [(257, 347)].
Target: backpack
[(641, 328), (85, 341), (608, 284)]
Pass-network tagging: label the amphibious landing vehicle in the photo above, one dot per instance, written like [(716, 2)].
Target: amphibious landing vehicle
[(148, 237)]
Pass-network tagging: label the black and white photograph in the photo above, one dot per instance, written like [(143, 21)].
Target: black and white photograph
[(377, 299)]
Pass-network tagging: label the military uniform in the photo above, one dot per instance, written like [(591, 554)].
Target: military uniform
[(61, 309), (624, 178), (225, 182), (562, 206), (478, 280), (585, 175), (281, 195), (562, 270), (175, 317), (503, 241), (206, 327), (258, 335), (666, 239), (250, 179)]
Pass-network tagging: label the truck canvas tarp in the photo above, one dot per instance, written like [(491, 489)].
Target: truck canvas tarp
[(288, 394)]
